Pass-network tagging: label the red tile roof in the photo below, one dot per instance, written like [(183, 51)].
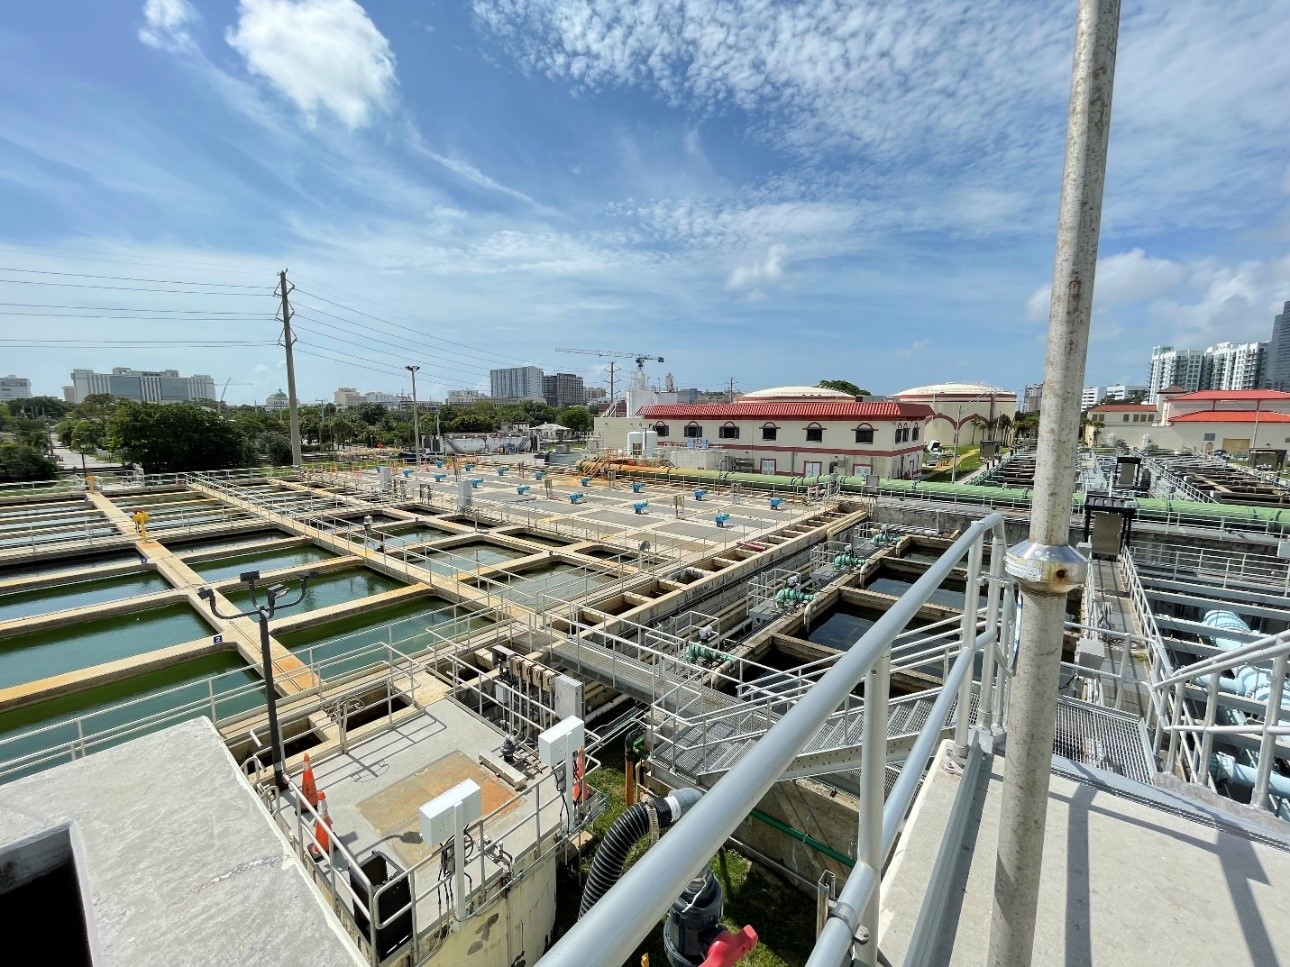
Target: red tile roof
[(782, 410), (1232, 416), (1123, 408), (1232, 394)]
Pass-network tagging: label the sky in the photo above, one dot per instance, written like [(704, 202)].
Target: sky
[(770, 192)]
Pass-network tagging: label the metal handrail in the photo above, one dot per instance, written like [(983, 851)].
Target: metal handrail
[(627, 912)]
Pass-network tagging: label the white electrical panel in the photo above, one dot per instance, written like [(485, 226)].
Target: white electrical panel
[(560, 741), (568, 697), (437, 814)]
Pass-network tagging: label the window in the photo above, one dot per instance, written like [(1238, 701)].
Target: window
[(916, 429), (661, 429), (693, 431), (864, 434), (1125, 418), (1209, 437), (815, 434), (769, 432), (902, 434), (728, 432)]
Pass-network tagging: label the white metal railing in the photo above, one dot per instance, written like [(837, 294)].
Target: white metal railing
[(626, 913), (1216, 563)]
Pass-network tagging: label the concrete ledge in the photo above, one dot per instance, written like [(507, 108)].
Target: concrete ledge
[(90, 612)]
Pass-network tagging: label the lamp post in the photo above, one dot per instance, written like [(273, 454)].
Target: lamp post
[(958, 420), (416, 415), (274, 594)]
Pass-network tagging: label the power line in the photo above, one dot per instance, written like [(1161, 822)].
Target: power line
[(134, 288), (86, 255), (129, 278), (366, 341), (40, 305), (122, 344), (81, 315)]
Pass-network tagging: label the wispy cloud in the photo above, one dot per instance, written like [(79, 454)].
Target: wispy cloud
[(166, 24)]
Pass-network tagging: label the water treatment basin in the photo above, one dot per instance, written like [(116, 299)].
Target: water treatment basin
[(24, 604)]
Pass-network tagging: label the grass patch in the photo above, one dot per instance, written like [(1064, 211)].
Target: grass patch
[(968, 462), (782, 916)]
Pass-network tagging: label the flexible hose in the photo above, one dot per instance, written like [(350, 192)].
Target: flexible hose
[(627, 830)]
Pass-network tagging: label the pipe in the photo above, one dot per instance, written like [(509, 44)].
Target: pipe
[(803, 837), (1225, 768), (626, 831), (627, 913)]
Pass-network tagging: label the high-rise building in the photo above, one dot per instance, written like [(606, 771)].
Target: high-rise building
[(1091, 396), (1230, 366), (69, 394), (15, 388), (1175, 367), (593, 393), (563, 389), (1276, 361), (464, 397), (1031, 397), (143, 385), (516, 383), (1119, 392)]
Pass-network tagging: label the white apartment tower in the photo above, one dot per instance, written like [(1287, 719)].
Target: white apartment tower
[(1175, 367), (516, 383), (1230, 366)]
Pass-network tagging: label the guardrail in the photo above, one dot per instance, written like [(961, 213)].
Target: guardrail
[(628, 911)]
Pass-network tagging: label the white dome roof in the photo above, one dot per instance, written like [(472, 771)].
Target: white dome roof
[(955, 389), (797, 393)]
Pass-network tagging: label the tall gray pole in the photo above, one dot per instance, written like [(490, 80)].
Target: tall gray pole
[(1046, 567), (293, 411), (416, 415)]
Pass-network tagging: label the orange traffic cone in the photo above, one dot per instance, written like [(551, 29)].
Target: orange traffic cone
[(307, 784), (322, 830)]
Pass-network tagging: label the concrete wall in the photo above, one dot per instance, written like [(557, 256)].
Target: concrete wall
[(825, 814), (515, 929)]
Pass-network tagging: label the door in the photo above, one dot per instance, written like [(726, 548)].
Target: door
[(813, 468), (768, 466), (861, 469)]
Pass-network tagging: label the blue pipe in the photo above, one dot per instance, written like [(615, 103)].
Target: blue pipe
[(1252, 681), (1225, 768)]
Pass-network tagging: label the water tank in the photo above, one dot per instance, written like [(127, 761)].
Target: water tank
[(642, 443)]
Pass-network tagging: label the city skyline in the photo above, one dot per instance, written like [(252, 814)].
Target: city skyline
[(484, 180)]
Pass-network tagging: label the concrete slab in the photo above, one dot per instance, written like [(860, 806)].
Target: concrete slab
[(1127, 878), (182, 863)]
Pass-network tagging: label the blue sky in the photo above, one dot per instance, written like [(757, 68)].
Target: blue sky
[(775, 192)]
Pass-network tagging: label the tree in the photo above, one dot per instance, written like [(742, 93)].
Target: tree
[(275, 447), (176, 437), (1136, 396), (86, 438), (21, 463), (576, 418), (843, 386), (43, 407)]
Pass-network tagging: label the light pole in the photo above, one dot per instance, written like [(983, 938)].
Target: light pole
[(958, 420), (416, 415), (274, 593)]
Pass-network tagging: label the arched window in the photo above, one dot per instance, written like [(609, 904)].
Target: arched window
[(661, 429), (693, 430), (728, 431), (815, 433), (769, 431), (864, 433)]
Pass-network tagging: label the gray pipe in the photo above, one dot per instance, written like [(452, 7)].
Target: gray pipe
[(627, 913)]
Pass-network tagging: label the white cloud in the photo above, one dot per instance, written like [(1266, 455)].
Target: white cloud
[(1121, 279), (769, 269), (166, 24), (323, 55), (1234, 303)]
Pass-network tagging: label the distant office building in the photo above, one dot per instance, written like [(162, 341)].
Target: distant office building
[(1031, 397), (1229, 366), (142, 385), (1114, 393), (15, 388), (1276, 364), (1184, 368), (385, 399), (1119, 392), (1092, 396), (464, 397), (347, 396), (517, 383), (594, 393), (563, 389), (689, 395), (277, 401), (69, 394)]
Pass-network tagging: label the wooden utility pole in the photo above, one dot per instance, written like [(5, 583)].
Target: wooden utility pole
[(293, 411)]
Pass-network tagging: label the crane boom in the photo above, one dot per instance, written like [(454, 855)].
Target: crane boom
[(641, 360)]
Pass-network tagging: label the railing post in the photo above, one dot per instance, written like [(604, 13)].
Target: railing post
[(1175, 736), (1207, 737), (967, 641), (1268, 742), (992, 626), (873, 770)]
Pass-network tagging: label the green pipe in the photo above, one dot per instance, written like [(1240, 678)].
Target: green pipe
[(806, 838)]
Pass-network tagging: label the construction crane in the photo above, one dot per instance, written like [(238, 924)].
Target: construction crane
[(641, 360)]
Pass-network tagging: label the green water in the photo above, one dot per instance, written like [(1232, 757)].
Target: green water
[(22, 525), (150, 694), (415, 535), (404, 624), (36, 538), (554, 581), (39, 654), (26, 569), (223, 568), (23, 604), (179, 546), (327, 590), (467, 557)]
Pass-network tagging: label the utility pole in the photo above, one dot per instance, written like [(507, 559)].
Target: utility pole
[(730, 393), (293, 411), (610, 411), (416, 415), (1046, 566)]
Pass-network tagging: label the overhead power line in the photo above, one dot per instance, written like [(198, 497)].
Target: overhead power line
[(129, 278)]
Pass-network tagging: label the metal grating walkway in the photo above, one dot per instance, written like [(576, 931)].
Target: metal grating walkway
[(1103, 738)]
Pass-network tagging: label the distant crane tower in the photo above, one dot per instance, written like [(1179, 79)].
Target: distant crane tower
[(641, 360)]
